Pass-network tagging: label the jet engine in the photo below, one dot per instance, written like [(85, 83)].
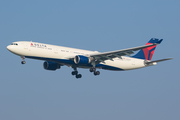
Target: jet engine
[(48, 65), (79, 59)]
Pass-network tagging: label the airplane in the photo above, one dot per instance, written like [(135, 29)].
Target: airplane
[(57, 56)]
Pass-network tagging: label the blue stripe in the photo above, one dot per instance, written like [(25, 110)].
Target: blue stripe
[(150, 53), (139, 55), (69, 62), (52, 59)]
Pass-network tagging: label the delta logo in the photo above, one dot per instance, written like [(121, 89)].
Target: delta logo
[(38, 45)]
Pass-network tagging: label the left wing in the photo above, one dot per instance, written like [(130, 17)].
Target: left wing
[(118, 53)]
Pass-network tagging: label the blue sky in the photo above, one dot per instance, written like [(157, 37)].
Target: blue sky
[(30, 92)]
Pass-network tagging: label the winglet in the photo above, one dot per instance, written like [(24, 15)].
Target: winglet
[(160, 41), (155, 40)]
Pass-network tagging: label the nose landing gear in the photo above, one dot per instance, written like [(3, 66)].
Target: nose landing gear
[(23, 62)]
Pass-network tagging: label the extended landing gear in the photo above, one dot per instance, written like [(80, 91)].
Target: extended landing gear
[(75, 72), (94, 70), (23, 62), (96, 73)]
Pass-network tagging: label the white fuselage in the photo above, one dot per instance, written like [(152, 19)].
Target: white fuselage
[(62, 55)]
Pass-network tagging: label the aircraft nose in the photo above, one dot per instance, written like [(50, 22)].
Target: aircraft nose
[(8, 47)]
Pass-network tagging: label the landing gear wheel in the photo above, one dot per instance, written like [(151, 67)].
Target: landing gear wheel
[(78, 76), (23, 62), (74, 72), (92, 69), (97, 73)]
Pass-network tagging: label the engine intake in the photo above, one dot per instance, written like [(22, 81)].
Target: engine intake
[(48, 65), (79, 59)]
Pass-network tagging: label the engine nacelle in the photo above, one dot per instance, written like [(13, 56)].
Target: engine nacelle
[(79, 59), (48, 65)]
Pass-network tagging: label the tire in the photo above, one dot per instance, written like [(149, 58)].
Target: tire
[(91, 69), (97, 73), (78, 76), (23, 62), (74, 72)]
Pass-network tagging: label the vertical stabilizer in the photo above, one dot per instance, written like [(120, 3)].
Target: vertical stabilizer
[(147, 53)]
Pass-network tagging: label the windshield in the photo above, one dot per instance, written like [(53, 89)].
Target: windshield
[(14, 44)]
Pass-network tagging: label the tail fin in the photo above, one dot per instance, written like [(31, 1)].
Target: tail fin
[(147, 53)]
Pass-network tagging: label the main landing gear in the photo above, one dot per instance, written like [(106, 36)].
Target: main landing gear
[(23, 62), (93, 69), (75, 72)]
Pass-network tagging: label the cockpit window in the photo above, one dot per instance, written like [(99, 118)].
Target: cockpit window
[(14, 44)]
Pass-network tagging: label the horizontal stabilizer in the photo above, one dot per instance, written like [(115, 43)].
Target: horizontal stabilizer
[(155, 61)]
